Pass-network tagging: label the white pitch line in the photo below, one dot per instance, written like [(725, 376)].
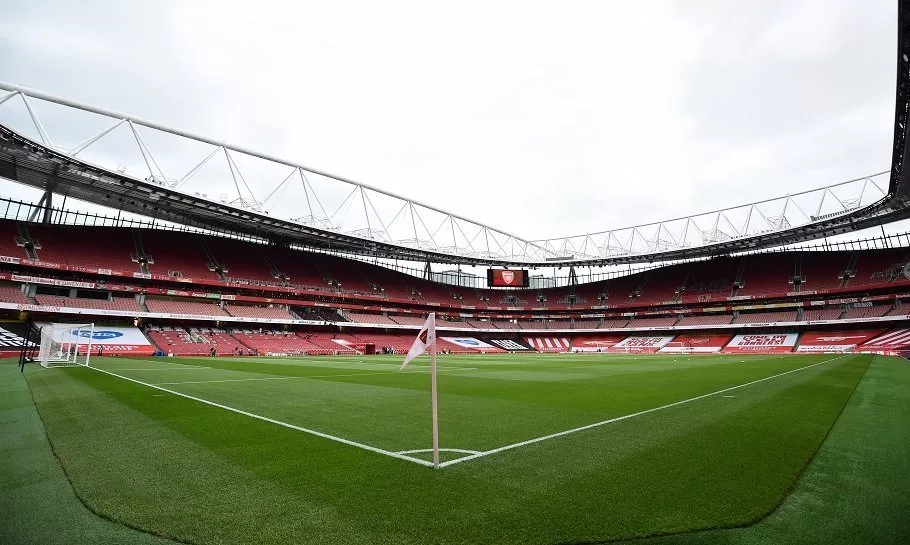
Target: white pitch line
[(277, 422), (160, 362), (420, 450), (625, 417), (224, 380), (173, 363), (158, 369)]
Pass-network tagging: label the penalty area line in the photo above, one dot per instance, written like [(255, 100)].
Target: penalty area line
[(624, 417), (335, 438)]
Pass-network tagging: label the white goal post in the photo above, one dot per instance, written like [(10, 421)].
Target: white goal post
[(65, 344), (677, 347), (636, 349)]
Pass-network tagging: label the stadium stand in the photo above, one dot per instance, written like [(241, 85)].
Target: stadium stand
[(9, 234), (193, 342), (549, 344), (707, 319), (820, 271), (765, 275), (471, 297), (479, 324), (273, 342), (879, 267), (765, 317), (702, 344), (593, 343), (12, 294), (834, 340), (244, 262), (532, 324), (88, 247), (709, 280), (176, 254), (245, 311), (896, 339), (349, 275), (614, 323), (653, 322), (400, 344), (255, 276), (615, 292), (323, 343), (559, 325), (224, 342), (873, 311), (370, 318), (823, 314), (661, 286), (434, 294), (184, 307), (296, 268), (585, 324), (504, 324), (189, 255), (409, 320), (397, 343), (127, 304)]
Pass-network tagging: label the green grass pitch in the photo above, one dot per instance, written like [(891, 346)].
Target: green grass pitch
[(539, 449)]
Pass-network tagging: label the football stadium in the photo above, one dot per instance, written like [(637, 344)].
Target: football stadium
[(212, 343)]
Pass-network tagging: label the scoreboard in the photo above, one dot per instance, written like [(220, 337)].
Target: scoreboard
[(507, 278)]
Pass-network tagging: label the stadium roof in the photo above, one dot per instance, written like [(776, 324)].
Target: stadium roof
[(375, 222)]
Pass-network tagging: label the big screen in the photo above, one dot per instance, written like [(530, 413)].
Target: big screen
[(507, 278)]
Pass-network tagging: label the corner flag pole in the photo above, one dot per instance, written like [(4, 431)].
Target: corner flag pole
[(435, 410), (425, 340)]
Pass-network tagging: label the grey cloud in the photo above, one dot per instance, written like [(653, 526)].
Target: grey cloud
[(541, 123)]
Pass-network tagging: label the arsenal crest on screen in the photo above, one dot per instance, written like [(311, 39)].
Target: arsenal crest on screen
[(513, 278)]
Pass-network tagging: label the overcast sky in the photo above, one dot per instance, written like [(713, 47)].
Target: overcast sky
[(537, 120)]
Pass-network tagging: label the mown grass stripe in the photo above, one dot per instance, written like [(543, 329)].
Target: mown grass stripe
[(296, 377), (624, 417), (273, 421)]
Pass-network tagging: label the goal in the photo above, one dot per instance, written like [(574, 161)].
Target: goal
[(677, 346), (636, 349), (65, 344)]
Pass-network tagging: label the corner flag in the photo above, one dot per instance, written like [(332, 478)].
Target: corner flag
[(425, 340)]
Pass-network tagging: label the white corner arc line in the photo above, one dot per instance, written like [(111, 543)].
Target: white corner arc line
[(624, 417), (277, 422), (458, 450)]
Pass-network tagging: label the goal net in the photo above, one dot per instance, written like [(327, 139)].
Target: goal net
[(65, 344), (677, 347), (636, 349)]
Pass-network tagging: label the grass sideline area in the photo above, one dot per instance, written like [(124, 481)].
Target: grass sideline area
[(200, 473)]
